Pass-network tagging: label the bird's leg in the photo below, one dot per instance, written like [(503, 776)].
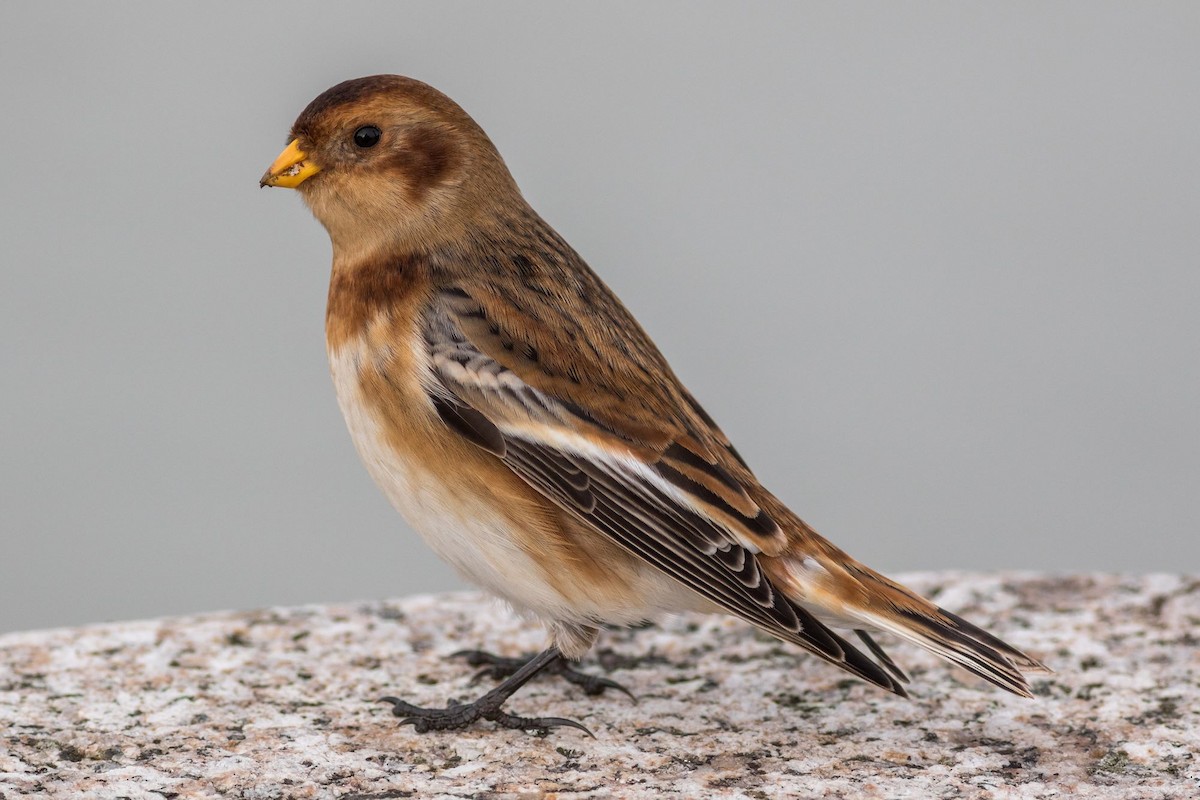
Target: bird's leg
[(458, 715), (498, 667)]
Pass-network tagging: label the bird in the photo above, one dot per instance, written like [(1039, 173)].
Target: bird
[(517, 415)]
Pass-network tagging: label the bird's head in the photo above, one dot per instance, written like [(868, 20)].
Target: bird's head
[(387, 164)]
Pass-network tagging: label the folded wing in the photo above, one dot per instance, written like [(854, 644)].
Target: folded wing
[(656, 489)]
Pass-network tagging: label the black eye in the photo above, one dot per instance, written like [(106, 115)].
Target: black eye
[(367, 136)]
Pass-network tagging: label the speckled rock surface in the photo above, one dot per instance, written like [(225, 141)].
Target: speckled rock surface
[(278, 704)]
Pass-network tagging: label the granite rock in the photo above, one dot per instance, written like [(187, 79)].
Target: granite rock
[(279, 703)]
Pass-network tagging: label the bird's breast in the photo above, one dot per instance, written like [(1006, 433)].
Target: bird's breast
[(469, 507), (434, 480)]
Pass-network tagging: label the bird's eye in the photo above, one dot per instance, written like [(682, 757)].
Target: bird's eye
[(367, 136)]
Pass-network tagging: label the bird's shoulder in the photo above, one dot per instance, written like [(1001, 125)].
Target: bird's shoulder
[(520, 320)]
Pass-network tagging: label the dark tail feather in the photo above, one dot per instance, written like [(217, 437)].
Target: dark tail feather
[(820, 640), (964, 644), (884, 659)]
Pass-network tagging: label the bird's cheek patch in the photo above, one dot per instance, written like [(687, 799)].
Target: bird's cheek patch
[(425, 159)]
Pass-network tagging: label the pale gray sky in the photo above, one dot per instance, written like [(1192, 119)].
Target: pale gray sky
[(934, 267)]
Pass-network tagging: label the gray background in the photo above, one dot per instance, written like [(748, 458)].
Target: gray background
[(935, 268)]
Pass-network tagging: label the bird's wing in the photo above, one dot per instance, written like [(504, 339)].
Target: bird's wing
[(649, 481)]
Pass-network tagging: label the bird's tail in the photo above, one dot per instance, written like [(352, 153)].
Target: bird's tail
[(844, 593)]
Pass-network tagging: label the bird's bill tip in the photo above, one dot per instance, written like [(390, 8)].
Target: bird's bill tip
[(292, 168)]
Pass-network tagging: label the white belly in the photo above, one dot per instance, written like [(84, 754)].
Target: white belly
[(461, 530), (467, 532)]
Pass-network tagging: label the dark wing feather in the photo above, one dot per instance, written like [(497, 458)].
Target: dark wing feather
[(494, 408), (605, 376)]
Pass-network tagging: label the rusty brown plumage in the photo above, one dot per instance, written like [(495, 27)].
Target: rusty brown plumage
[(521, 418)]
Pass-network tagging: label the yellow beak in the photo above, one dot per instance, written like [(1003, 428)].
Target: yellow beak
[(291, 168)]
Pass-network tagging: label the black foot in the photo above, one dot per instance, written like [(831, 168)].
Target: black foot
[(457, 716), (500, 667)]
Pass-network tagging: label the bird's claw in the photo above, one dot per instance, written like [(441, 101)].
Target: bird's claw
[(460, 715), (539, 725)]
